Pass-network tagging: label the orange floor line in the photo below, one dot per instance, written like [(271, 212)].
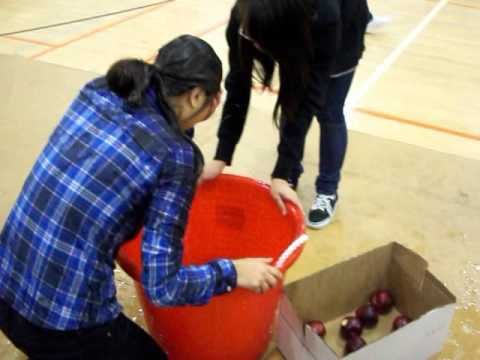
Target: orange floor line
[(464, 5), (418, 124), (99, 29), (200, 34), (456, 3), (212, 28), (30, 41), (399, 119)]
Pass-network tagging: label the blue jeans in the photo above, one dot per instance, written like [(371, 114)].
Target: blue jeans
[(333, 136)]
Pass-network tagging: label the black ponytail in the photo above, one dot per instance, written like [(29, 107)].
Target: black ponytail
[(129, 79)]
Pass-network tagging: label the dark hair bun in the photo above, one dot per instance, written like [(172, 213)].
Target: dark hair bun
[(129, 78)]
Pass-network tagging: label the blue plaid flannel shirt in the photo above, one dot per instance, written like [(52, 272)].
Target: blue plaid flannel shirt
[(106, 170)]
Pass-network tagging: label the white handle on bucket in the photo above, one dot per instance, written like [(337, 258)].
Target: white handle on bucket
[(290, 249)]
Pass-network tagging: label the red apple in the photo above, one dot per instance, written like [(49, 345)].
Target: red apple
[(350, 326), (400, 321), (367, 315), (317, 327), (383, 301), (354, 343)]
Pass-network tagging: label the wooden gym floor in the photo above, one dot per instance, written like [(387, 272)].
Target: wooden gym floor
[(413, 165)]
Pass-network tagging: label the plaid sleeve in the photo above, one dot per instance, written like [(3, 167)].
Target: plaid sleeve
[(165, 280)]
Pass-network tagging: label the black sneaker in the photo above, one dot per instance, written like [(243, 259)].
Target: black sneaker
[(322, 211)]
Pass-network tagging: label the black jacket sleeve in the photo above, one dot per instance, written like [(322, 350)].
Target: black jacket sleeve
[(238, 85)]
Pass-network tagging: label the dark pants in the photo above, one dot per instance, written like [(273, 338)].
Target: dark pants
[(333, 136), (120, 339)]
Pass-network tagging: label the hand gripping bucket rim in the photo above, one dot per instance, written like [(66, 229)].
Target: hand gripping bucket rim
[(196, 332)]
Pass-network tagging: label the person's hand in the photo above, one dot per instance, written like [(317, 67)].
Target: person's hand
[(281, 191), (257, 274), (212, 170)]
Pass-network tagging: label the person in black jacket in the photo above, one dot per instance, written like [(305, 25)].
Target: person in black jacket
[(317, 45)]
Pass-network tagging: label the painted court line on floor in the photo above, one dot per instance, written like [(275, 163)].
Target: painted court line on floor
[(384, 116), (463, 5), (99, 29), (29, 41), (456, 3), (199, 34), (355, 98), (212, 28), (419, 124)]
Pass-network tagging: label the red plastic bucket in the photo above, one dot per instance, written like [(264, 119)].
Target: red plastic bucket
[(231, 217)]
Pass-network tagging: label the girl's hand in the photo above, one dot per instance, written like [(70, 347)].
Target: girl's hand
[(257, 274), (281, 191), (212, 170)]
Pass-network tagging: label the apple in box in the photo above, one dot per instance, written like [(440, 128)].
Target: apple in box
[(354, 343), (382, 301), (350, 326), (400, 321), (367, 315), (318, 327)]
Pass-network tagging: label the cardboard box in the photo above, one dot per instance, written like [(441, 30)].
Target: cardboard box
[(335, 292)]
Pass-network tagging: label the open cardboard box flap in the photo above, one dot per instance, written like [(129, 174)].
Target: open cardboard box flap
[(340, 289)]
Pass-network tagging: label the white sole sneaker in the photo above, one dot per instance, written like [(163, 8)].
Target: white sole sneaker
[(320, 224)]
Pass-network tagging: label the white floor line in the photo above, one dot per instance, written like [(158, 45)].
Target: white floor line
[(353, 100)]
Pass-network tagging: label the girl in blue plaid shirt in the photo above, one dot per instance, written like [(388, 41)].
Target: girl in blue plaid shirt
[(119, 158)]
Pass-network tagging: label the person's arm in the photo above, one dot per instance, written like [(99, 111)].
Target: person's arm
[(165, 280), (238, 85)]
